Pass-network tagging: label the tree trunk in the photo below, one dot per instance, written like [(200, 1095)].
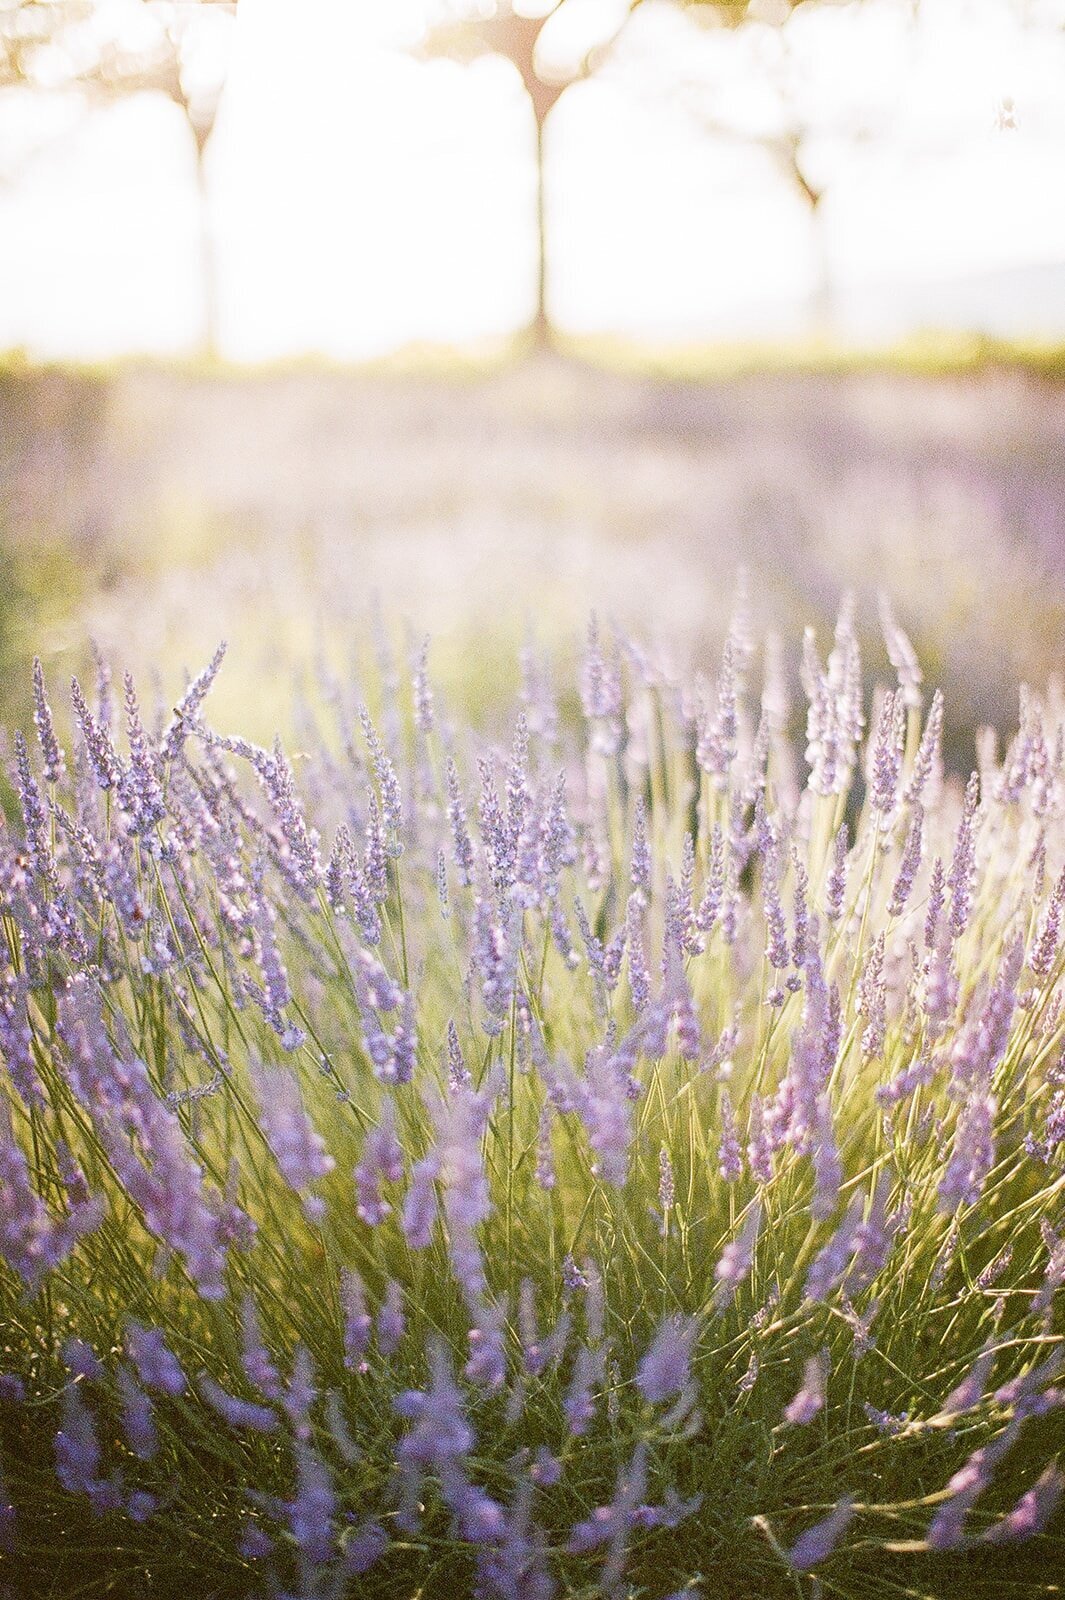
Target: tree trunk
[(208, 255), (540, 327), (822, 299)]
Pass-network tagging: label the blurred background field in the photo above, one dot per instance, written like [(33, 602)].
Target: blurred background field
[(160, 510)]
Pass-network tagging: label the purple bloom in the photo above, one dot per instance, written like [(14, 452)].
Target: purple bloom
[(902, 656), (713, 893), (639, 977), (909, 863), (420, 1205), (55, 766), (187, 709), (729, 1150), (275, 996), (962, 874), (946, 1531), (818, 1542), (235, 1412), (140, 789), (716, 747), (358, 1324), (612, 1524), (439, 1438), (973, 1153), (312, 1513), (1032, 1512), (16, 1037), (391, 1322), (138, 1424), (258, 1364), (927, 761), (545, 1159), (836, 886), (606, 1116), (972, 1389), (32, 1241), (579, 1401), (140, 1505), (666, 1186), (487, 1365), (829, 1266), (886, 763), (665, 1369), (298, 1148), (34, 819), (834, 720), (1049, 932), (97, 740), (382, 1162), (423, 694), (810, 1398), (601, 694), (462, 845), (872, 1000), (78, 1455), (157, 1367), (365, 1547), (640, 875), (736, 1259)]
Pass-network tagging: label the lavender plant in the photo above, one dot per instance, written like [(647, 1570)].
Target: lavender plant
[(598, 1155)]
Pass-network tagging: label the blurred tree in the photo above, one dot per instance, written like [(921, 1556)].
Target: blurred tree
[(107, 50), (833, 77), (508, 31), (794, 121), (519, 30)]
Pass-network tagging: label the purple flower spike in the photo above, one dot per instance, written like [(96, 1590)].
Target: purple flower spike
[(187, 708), (811, 1396), (298, 1148), (666, 1368), (237, 1413), (55, 765), (157, 1367), (99, 748), (138, 1424), (391, 1322), (358, 1324), (311, 1515), (736, 1259), (382, 1162), (818, 1542), (1032, 1512), (78, 1455)]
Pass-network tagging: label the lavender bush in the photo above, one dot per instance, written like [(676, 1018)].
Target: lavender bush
[(612, 1154)]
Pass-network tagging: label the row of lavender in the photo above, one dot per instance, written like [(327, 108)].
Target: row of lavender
[(452, 1156)]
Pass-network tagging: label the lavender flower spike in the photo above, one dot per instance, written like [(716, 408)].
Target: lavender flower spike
[(156, 1365), (666, 1368), (55, 765), (298, 1148), (818, 1542), (1032, 1512), (185, 712), (811, 1396)]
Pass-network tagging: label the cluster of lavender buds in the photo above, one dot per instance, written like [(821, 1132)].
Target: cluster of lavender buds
[(614, 1146)]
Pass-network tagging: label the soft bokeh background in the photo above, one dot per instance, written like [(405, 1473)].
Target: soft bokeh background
[(281, 341)]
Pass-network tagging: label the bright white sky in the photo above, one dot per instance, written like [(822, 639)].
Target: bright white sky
[(362, 199)]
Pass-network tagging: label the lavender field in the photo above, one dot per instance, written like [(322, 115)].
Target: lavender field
[(475, 507), (540, 1070)]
